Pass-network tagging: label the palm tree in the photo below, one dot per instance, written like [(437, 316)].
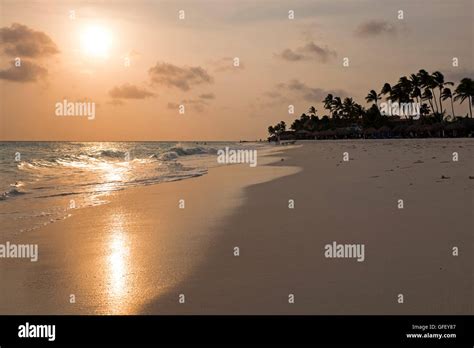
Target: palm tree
[(465, 90), (328, 102), (372, 97), (406, 89), (416, 87), (427, 82), (438, 81), (447, 94), (386, 89), (271, 130), (336, 105), (427, 95), (282, 125), (401, 93), (348, 108)]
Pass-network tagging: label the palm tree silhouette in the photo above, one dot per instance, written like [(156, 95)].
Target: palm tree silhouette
[(428, 83), (416, 87), (372, 97), (438, 81), (465, 90), (328, 103), (427, 95), (421, 87), (348, 107), (447, 94), (401, 92), (271, 130), (337, 106), (386, 89)]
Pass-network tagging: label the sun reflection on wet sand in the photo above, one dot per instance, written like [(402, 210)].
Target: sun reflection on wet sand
[(118, 264)]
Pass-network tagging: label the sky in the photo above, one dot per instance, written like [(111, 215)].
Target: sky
[(139, 62)]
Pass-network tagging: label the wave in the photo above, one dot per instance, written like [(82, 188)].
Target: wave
[(178, 151), (112, 153)]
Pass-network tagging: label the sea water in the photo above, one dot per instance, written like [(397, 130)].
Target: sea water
[(43, 182)]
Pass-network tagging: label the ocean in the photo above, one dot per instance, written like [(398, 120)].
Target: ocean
[(43, 182)]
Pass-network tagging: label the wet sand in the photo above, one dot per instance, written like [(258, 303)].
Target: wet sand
[(137, 254), (117, 257)]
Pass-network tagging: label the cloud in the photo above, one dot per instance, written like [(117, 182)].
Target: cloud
[(27, 72), (20, 41), (300, 89), (308, 52), (207, 96), (313, 94), (227, 64), (183, 78), (375, 28), (128, 91), (290, 55)]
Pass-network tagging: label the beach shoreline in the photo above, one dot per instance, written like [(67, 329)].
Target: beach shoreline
[(100, 254), (141, 252)]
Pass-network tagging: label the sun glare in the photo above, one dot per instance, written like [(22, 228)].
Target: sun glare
[(96, 41)]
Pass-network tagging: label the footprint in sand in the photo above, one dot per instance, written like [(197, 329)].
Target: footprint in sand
[(419, 161), (445, 177)]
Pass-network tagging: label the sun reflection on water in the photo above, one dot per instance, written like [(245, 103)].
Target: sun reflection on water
[(118, 264)]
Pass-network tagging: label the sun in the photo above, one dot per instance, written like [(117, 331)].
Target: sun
[(96, 41)]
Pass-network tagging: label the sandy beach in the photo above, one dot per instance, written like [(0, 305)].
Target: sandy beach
[(140, 252)]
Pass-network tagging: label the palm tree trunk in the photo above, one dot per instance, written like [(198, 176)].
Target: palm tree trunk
[(434, 99), (440, 102), (470, 106), (431, 104), (452, 108)]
